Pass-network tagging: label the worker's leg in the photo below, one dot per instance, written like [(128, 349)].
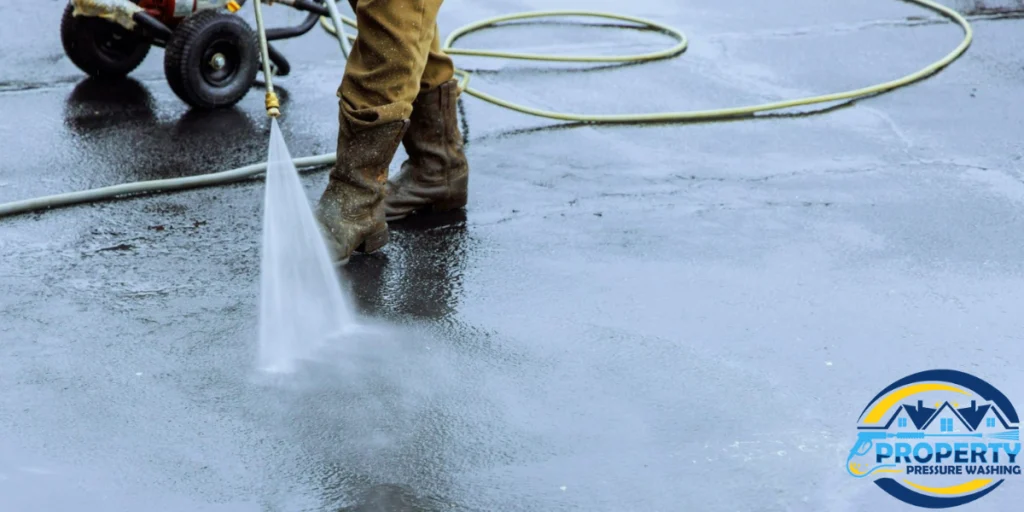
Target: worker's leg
[(383, 73), (436, 175), (381, 82), (439, 67)]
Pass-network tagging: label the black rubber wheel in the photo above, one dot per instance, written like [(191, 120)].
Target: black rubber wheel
[(212, 59), (101, 48)]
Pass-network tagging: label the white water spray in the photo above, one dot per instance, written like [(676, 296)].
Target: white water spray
[(302, 305)]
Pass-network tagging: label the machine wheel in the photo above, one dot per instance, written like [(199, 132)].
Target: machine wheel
[(212, 59), (101, 48)]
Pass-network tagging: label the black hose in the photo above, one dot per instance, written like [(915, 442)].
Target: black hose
[(279, 60), (314, 6), (274, 34), (154, 26)]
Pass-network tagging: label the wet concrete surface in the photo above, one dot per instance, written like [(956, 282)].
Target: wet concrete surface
[(670, 317)]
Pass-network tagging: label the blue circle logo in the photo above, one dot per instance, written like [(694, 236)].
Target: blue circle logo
[(937, 439)]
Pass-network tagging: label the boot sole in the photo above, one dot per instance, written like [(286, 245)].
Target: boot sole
[(444, 205)]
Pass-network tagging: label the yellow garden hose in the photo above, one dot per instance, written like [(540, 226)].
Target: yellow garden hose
[(232, 175), (694, 115)]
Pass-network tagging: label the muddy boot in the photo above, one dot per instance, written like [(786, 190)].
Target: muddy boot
[(436, 175), (351, 209)]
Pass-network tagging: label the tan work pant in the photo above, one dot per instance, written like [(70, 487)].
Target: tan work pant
[(396, 54)]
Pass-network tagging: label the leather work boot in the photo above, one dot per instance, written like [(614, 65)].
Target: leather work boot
[(351, 209), (436, 175)]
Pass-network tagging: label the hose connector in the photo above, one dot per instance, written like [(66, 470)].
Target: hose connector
[(273, 105)]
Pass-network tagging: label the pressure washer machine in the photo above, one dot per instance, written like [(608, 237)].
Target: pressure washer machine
[(211, 55)]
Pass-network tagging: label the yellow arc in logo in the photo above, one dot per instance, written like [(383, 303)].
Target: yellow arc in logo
[(963, 488)]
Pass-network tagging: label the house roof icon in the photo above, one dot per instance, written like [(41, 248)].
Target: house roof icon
[(970, 417), (956, 414), (919, 415), (974, 414)]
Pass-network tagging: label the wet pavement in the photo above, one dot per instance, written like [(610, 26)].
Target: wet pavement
[(648, 318)]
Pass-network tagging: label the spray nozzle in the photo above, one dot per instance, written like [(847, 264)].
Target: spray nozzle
[(273, 105)]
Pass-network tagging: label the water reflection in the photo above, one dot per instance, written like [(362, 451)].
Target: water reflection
[(120, 131), (97, 104), (420, 273), (396, 498), (197, 126)]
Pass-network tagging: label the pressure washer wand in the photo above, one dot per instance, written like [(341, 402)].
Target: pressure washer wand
[(273, 105), (338, 27)]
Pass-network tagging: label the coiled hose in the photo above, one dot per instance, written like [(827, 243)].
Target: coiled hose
[(233, 175)]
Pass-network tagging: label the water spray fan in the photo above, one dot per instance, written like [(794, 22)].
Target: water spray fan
[(212, 56)]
